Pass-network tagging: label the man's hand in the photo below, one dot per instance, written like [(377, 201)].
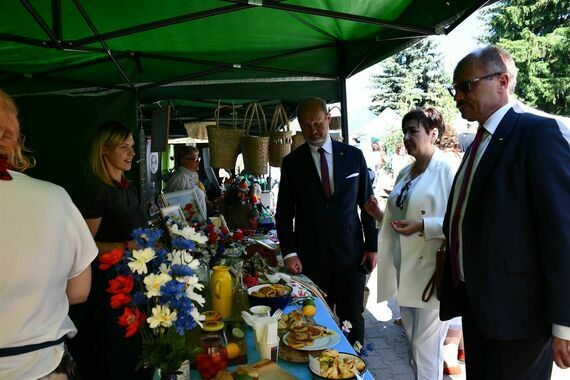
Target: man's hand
[(370, 257), (293, 264), (407, 227), (561, 352)]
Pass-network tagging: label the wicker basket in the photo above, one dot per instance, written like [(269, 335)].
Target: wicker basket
[(279, 137), (224, 142), (255, 149), (297, 140)]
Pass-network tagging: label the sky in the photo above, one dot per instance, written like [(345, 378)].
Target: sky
[(453, 47)]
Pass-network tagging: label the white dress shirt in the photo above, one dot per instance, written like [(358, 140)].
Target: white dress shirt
[(327, 147)]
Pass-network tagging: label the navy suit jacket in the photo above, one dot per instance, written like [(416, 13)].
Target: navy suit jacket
[(314, 228), (516, 232)]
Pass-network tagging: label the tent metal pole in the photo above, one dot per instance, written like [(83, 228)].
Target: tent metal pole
[(341, 54), (103, 44), (25, 40), (40, 21), (159, 24), (56, 22), (466, 14), (341, 16), (227, 67)]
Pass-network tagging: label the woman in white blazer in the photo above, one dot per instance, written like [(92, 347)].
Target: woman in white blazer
[(410, 234)]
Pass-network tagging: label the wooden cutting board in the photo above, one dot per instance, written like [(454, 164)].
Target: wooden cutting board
[(269, 370)]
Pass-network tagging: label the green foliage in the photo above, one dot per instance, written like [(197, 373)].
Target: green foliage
[(537, 34), (413, 78), (168, 351)]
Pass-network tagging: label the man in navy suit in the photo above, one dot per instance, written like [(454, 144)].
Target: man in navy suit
[(323, 182), (507, 225)]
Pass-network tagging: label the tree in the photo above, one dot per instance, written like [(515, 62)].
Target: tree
[(413, 78), (537, 34)]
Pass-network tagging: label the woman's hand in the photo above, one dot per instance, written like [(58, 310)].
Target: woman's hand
[(407, 227), (372, 208)]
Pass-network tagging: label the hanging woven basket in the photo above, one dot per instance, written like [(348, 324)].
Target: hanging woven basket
[(297, 140), (279, 136), (224, 141), (255, 149), (336, 121)]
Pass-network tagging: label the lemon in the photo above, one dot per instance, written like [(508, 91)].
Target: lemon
[(233, 350), (309, 310)]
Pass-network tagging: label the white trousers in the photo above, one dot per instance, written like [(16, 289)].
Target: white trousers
[(425, 333)]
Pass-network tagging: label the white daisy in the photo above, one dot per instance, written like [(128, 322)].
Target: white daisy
[(161, 317), (154, 282), (139, 260)]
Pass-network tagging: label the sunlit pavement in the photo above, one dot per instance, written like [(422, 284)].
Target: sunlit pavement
[(389, 360)]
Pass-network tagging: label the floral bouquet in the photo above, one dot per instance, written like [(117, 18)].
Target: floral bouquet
[(158, 292), (358, 347)]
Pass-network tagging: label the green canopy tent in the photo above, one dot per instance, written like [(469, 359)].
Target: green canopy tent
[(58, 56)]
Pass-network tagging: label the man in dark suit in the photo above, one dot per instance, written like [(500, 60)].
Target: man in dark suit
[(320, 232), (508, 229)]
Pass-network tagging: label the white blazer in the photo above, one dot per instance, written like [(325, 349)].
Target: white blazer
[(428, 201)]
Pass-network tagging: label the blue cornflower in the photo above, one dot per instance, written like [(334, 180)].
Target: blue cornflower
[(146, 237), (180, 243), (172, 289), (184, 321), (177, 270)]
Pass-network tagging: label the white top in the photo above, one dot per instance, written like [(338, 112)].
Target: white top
[(406, 263), (44, 241)]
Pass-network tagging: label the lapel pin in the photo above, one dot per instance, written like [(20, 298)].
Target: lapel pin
[(341, 153), (500, 139)]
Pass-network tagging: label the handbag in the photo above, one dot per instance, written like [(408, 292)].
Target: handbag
[(436, 281)]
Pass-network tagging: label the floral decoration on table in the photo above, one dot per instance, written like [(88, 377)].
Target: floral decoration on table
[(361, 350), (158, 293)]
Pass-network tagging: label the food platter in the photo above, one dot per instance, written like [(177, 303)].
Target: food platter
[(318, 338)]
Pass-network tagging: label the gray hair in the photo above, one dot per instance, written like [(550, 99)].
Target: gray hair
[(495, 60)]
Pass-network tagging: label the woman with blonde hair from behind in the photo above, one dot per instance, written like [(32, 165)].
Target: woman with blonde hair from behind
[(45, 255)]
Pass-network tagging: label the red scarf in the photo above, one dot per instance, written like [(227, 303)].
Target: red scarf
[(124, 184), (4, 175)]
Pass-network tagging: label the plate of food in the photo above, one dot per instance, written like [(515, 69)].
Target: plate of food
[(331, 364), (311, 338)]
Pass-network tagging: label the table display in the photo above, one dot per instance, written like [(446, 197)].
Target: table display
[(299, 326)]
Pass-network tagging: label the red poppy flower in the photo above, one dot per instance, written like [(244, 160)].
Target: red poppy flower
[(210, 227), (225, 230), (213, 237), (118, 300), (121, 284), (131, 320), (108, 259)]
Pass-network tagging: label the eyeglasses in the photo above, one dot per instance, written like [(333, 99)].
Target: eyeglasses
[(192, 158), (403, 196), (468, 85)]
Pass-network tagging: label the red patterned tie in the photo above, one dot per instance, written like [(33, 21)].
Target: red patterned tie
[(4, 175), (325, 175), (454, 246)]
